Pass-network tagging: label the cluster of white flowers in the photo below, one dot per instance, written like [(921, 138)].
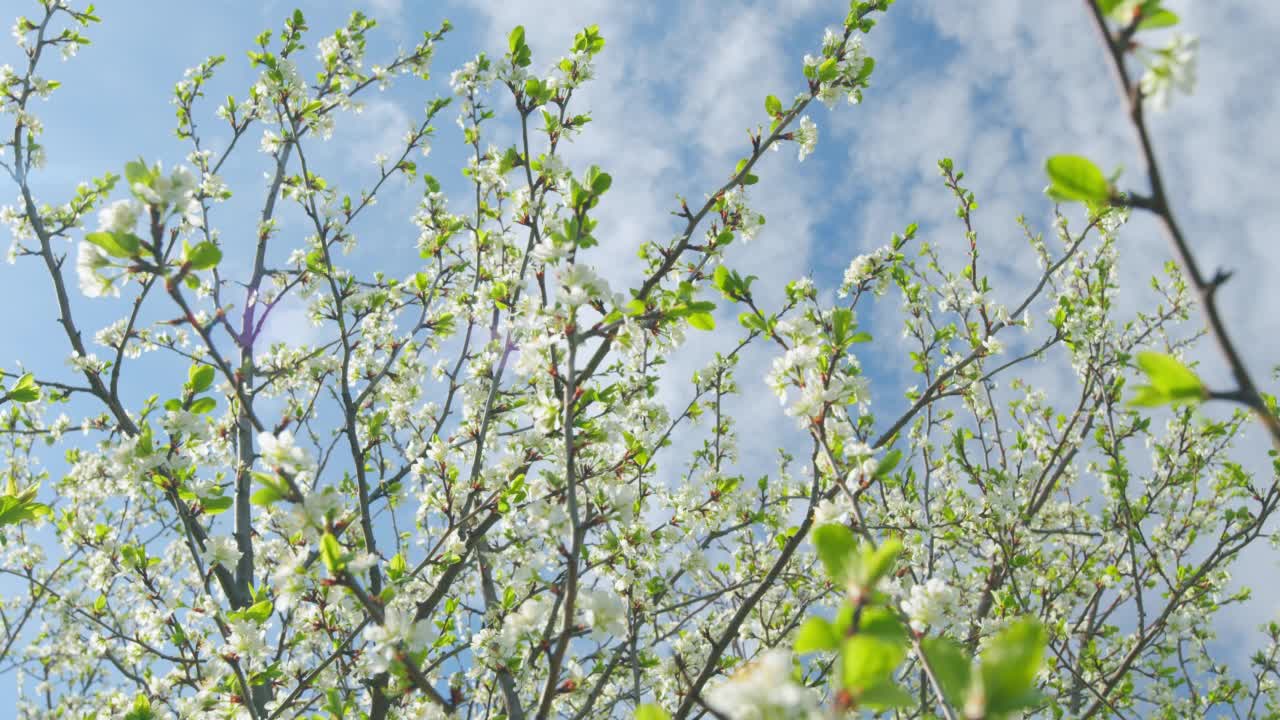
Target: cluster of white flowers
[(221, 550), (799, 368), (865, 467), (509, 73), (548, 252), (579, 284), (279, 451), (433, 220), (806, 137), (91, 261), (175, 192), (120, 216), (247, 640), (833, 511), (850, 58), (1170, 68), (327, 50), (486, 171), (398, 632), (583, 70), (473, 76), (528, 620), (749, 222), (929, 603), (604, 612), (862, 269), (19, 31), (991, 345), (188, 425), (765, 689)]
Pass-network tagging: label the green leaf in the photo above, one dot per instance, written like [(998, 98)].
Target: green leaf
[(720, 278), (752, 321), (885, 696), (864, 73), (650, 711), (890, 461), (516, 39), (199, 378), (1157, 19), (259, 612), (841, 322), (601, 183), (950, 665), (589, 40), (878, 562), (137, 172), (827, 70), (702, 321), (263, 677), (141, 709), (217, 504), (1010, 664), (1077, 179), (1170, 376), (816, 634), (204, 256), (1171, 382), (15, 509), (773, 106), (836, 546), (331, 553), (882, 623), (121, 245), (265, 497), (397, 566), (1148, 396), (869, 659), (25, 390), (203, 405), (1108, 6)]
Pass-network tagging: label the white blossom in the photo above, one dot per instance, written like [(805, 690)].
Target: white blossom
[(605, 613), (279, 451), (806, 137), (119, 217), (765, 689), (1170, 68), (928, 604), (222, 550), (90, 261), (397, 631)]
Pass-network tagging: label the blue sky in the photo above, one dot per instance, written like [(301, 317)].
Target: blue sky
[(998, 85)]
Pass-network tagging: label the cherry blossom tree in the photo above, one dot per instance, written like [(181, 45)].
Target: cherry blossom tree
[(466, 496)]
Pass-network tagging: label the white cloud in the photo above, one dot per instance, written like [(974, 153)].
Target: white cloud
[(289, 323), (386, 10), (379, 129)]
